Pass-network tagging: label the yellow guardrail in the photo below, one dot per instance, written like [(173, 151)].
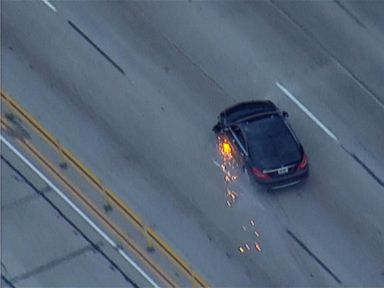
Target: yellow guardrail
[(91, 177), (27, 145)]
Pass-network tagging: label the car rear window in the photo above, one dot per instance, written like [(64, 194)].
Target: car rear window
[(270, 142), (245, 109)]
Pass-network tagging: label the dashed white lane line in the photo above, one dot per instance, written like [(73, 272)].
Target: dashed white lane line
[(79, 211), (306, 111), (216, 163), (46, 2)]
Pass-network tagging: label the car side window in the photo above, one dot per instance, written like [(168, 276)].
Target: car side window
[(239, 134)]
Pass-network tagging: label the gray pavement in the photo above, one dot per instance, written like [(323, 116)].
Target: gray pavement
[(41, 245), (133, 89)]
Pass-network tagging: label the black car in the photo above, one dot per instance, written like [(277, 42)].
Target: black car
[(265, 143)]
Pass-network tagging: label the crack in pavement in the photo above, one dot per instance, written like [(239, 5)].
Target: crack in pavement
[(306, 249), (55, 262)]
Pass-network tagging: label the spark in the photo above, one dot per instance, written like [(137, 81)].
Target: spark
[(231, 197), (257, 246), (227, 166), (241, 249), (232, 194), (227, 148), (252, 222), (257, 234)]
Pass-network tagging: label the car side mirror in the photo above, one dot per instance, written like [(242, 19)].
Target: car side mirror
[(217, 128), (285, 114)]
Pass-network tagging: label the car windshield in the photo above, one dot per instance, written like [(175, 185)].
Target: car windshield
[(270, 142)]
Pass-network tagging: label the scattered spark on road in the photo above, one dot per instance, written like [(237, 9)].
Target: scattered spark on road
[(257, 246), (227, 166), (225, 148), (250, 226)]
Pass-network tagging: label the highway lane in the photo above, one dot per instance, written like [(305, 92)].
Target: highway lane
[(307, 64), (113, 164), (183, 62)]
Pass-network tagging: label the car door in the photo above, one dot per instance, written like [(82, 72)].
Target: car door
[(238, 140)]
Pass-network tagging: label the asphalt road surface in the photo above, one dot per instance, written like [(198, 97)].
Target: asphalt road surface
[(134, 88), (41, 246)]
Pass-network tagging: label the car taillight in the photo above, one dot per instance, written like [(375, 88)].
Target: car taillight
[(259, 174), (303, 162)]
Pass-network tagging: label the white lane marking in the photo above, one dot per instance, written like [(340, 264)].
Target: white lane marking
[(46, 2), (216, 163), (81, 213), (306, 111)]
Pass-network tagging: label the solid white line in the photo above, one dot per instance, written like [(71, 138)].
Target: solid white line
[(306, 111), (81, 213), (46, 2)]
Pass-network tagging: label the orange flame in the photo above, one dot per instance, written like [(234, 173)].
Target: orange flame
[(225, 149)]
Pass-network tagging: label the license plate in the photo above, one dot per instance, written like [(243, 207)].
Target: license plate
[(282, 170)]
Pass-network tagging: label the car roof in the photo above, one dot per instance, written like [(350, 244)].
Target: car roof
[(270, 142)]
